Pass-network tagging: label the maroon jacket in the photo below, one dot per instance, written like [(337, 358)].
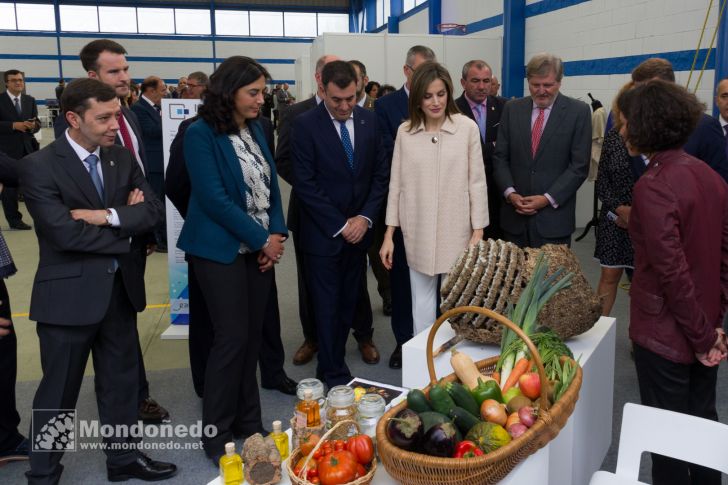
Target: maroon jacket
[(679, 230)]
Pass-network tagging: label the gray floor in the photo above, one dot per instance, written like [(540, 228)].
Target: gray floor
[(173, 389)]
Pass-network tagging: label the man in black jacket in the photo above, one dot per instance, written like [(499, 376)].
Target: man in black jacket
[(18, 123), (477, 104)]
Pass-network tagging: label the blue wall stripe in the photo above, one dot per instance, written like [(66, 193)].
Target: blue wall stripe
[(198, 38), (681, 61), (479, 26), (67, 57), (546, 6)]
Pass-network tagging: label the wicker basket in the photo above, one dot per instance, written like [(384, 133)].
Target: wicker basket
[(412, 468), (297, 455)]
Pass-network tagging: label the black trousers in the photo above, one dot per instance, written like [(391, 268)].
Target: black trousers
[(335, 283), (272, 354), (236, 296), (9, 417), (530, 238), (9, 199), (402, 323), (684, 388), (64, 351), (363, 318), (380, 272)]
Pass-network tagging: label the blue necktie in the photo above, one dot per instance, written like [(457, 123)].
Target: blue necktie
[(481, 120), (92, 160), (18, 108), (346, 141)]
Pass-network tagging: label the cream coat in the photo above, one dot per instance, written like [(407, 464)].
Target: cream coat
[(437, 192)]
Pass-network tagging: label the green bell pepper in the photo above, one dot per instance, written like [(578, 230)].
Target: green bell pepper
[(487, 390)]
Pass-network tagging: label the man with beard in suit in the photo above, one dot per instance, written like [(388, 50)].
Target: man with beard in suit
[(105, 60), (477, 104)]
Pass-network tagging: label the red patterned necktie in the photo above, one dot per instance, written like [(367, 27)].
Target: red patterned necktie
[(536, 132), (126, 138)]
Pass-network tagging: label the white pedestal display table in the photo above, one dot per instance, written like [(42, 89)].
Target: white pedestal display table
[(579, 449)]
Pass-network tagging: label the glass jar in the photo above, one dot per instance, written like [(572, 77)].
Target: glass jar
[(317, 390), (369, 410), (340, 405)]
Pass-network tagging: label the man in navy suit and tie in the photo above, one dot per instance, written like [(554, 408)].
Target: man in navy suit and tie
[(391, 111), (148, 111), (721, 101), (340, 177)]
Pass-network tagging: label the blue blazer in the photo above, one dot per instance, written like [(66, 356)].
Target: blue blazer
[(391, 111), (328, 190), (151, 125), (217, 220), (707, 143)]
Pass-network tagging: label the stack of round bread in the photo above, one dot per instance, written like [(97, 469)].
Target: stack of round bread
[(492, 275)]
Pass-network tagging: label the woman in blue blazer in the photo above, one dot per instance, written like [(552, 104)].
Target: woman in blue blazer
[(233, 233)]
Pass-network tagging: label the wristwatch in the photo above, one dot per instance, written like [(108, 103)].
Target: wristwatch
[(109, 216)]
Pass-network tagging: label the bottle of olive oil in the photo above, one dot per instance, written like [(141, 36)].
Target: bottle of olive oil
[(308, 412), (231, 466), (280, 439)]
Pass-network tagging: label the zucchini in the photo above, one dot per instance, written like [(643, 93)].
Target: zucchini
[(417, 401), (440, 400), (463, 419), (463, 397), (431, 418)]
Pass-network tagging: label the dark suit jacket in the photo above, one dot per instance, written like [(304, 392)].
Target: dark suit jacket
[(8, 170), (492, 121), (59, 127), (17, 144), (177, 179), (391, 111), (75, 272), (283, 153), (150, 123), (707, 143), (328, 190), (217, 220), (559, 168)]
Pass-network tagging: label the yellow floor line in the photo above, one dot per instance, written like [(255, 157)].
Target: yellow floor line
[(155, 305)]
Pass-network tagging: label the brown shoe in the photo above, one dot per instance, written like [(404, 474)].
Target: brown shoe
[(152, 413), (369, 352), (305, 352)]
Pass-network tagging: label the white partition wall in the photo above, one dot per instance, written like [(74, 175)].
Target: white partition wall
[(384, 54)]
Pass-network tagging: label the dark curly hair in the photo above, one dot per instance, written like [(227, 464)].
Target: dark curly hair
[(219, 102), (660, 115)]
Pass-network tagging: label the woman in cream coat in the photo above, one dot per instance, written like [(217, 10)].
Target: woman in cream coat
[(437, 192)]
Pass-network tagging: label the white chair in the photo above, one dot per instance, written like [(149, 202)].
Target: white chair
[(695, 440)]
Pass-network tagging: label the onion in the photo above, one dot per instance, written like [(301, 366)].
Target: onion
[(493, 412), (517, 430), (527, 416)]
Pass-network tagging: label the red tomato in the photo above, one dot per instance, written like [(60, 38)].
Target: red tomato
[(337, 468), (308, 443), (360, 470), (315, 480), (339, 445), (362, 448)]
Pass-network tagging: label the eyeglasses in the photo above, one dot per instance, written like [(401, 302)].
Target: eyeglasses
[(16, 80), (192, 85)]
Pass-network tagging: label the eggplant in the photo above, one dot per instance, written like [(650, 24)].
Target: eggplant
[(440, 440), (405, 430)]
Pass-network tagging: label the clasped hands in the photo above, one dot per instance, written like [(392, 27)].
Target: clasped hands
[(717, 353), (529, 205), (4, 327), (97, 217), (24, 126), (355, 229), (272, 253)]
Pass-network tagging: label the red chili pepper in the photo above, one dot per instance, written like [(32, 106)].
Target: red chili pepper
[(467, 449)]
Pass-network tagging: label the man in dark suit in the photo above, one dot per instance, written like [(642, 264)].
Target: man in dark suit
[(392, 110), (87, 197), (105, 60), (477, 104), (148, 112), (18, 123), (542, 158), (363, 319), (272, 353), (721, 102), (340, 176), (13, 445), (708, 140)]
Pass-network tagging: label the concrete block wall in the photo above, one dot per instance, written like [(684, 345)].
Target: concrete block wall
[(169, 57)]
